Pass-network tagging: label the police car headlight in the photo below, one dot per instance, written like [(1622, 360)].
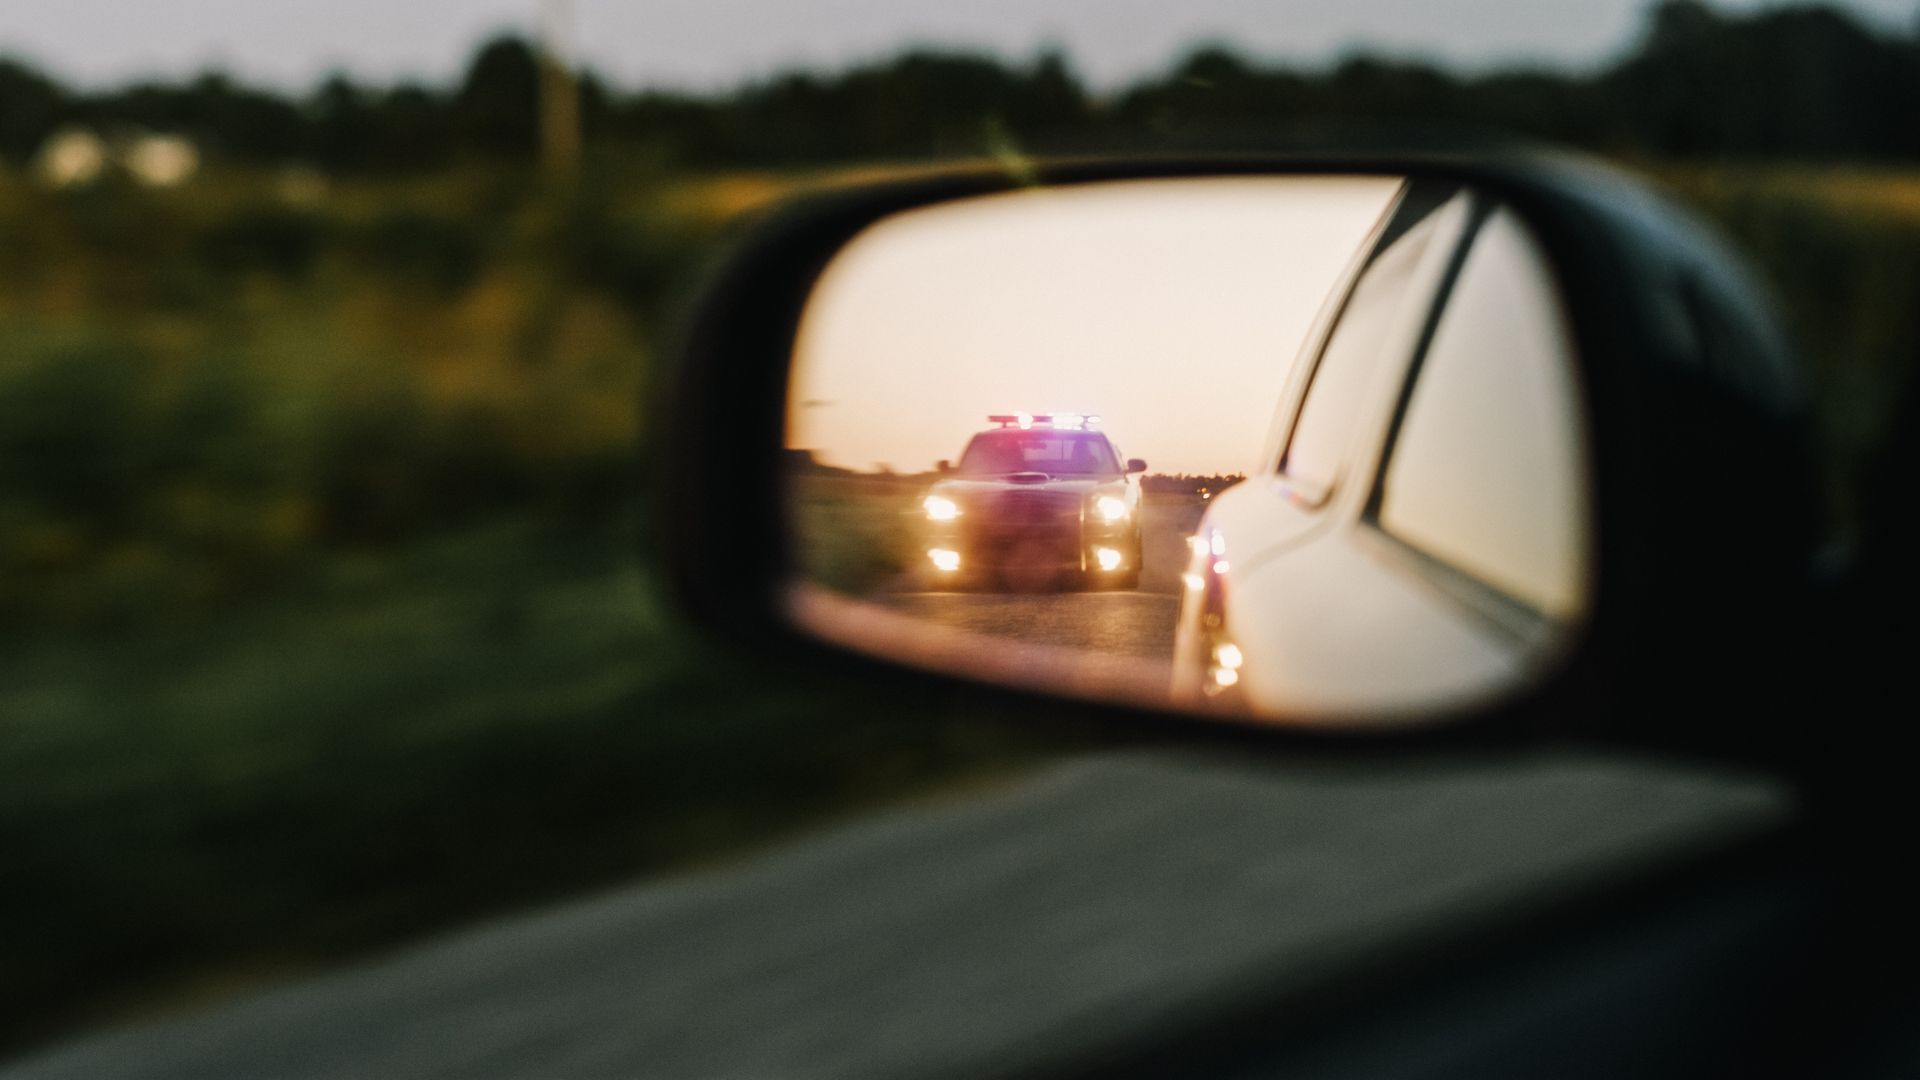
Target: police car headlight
[(1110, 509), (940, 508)]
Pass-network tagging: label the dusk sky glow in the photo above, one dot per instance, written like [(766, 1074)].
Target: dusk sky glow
[(1172, 309)]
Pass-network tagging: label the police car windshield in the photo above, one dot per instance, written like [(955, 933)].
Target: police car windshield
[(1056, 453)]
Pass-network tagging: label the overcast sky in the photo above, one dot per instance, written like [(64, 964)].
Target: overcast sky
[(711, 43)]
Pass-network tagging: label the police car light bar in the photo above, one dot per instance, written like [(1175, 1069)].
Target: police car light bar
[(1023, 421)]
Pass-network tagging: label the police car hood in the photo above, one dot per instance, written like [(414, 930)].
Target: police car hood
[(962, 488)]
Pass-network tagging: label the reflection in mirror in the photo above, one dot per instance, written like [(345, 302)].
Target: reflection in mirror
[(1296, 449)]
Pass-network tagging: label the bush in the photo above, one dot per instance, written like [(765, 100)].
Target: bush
[(277, 241), (432, 253)]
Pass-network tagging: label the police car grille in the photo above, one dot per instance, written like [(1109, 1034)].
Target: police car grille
[(1037, 508)]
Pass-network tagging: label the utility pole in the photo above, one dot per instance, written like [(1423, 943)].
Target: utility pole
[(559, 93)]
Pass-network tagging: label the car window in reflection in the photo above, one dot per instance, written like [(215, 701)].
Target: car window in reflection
[(1487, 470)]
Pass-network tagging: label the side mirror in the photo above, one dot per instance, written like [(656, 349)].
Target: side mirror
[(1445, 441)]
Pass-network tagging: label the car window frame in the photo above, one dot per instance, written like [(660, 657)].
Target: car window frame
[(1394, 225)]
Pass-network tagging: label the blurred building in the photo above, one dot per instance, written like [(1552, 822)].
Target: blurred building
[(159, 160), (71, 157), (78, 156)]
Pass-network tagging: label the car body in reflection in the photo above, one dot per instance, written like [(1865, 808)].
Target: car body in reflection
[(1034, 502), (1416, 533)]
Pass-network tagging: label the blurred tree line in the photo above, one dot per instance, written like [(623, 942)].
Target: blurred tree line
[(1189, 483), (1788, 83)]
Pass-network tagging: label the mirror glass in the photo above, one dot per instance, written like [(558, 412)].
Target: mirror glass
[(1293, 449)]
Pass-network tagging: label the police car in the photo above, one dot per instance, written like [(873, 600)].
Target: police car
[(1032, 501)]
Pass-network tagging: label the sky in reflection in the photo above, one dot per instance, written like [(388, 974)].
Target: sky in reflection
[(1173, 309)]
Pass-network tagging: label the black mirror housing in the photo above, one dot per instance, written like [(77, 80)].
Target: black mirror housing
[(1706, 501)]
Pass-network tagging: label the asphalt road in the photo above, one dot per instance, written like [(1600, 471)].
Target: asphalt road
[(1072, 919), (1113, 622)]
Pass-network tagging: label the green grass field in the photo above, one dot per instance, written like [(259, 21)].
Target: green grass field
[(856, 534), (489, 718)]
